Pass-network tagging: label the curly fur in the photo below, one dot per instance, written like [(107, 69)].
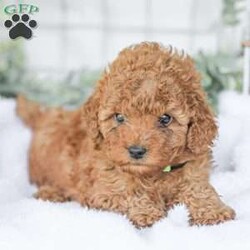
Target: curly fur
[(82, 155)]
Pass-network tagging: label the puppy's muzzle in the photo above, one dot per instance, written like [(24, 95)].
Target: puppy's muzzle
[(137, 152)]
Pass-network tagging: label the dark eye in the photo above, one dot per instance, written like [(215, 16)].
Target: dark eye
[(165, 120), (119, 118)]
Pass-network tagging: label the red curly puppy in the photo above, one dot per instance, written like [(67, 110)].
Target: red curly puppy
[(138, 146)]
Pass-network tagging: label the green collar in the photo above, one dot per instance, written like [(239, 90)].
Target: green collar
[(171, 168)]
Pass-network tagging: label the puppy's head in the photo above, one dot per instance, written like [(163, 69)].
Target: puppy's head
[(149, 110)]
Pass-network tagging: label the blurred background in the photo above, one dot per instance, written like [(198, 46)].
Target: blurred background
[(76, 39)]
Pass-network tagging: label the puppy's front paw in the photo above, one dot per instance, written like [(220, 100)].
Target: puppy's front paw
[(212, 217), (143, 220), (143, 212), (146, 220)]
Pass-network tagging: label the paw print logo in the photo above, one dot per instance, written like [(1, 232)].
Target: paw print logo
[(20, 26)]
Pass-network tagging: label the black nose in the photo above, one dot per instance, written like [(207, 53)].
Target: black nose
[(137, 152)]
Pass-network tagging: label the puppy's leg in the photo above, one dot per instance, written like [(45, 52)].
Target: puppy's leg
[(49, 193), (144, 211), (204, 205)]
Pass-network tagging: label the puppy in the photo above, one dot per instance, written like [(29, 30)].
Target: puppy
[(138, 146)]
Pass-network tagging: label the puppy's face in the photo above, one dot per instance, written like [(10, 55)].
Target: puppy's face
[(150, 111), (144, 124)]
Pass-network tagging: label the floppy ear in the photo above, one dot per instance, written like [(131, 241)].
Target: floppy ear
[(202, 127), (89, 115)]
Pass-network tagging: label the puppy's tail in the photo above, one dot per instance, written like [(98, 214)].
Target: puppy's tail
[(29, 111)]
